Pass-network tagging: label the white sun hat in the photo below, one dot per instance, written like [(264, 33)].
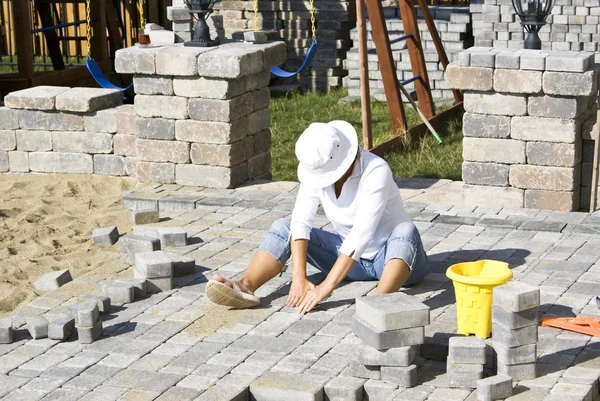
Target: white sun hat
[(326, 152)]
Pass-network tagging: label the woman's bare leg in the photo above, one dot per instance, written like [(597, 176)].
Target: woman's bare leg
[(395, 273), (261, 269)]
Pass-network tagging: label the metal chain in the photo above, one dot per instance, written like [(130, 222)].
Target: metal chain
[(312, 20), (256, 15), (88, 28), (142, 20)]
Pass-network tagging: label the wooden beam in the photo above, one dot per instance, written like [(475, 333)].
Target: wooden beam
[(363, 65), (45, 13), (594, 194), (24, 45), (418, 131), (99, 37), (386, 65), (114, 32)]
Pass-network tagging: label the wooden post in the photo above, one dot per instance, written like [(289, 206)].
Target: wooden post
[(594, 195), (386, 65), (24, 45), (99, 37), (363, 65), (45, 13)]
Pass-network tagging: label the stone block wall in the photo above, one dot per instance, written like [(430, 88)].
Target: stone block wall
[(201, 117), (524, 112), (573, 25), (454, 27)]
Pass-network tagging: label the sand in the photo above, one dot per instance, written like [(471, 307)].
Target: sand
[(46, 223)]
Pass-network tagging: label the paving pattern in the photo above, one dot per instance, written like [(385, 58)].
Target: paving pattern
[(178, 346)]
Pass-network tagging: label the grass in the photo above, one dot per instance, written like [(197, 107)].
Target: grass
[(9, 65), (293, 112)]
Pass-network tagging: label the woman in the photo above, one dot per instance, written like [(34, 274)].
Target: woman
[(375, 240)]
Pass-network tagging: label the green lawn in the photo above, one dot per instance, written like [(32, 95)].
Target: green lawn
[(293, 112)]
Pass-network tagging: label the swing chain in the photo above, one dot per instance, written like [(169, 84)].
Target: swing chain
[(256, 15), (88, 29), (142, 19), (312, 21)]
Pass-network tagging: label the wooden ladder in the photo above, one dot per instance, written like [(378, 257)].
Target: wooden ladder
[(386, 61)]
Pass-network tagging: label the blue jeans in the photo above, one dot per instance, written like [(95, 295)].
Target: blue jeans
[(323, 250)]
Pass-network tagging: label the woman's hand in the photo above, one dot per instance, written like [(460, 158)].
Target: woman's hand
[(300, 287), (314, 296)]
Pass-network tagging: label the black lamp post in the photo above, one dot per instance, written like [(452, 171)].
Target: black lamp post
[(201, 35), (533, 14)]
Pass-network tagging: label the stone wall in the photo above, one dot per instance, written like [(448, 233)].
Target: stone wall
[(454, 27), (522, 128), (573, 25), (201, 117)]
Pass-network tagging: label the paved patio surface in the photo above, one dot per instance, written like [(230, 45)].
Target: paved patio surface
[(177, 346)]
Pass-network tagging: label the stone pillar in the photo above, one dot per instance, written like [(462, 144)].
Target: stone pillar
[(524, 112), (202, 114)]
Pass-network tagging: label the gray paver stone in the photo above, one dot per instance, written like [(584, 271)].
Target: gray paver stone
[(401, 356), (276, 386), (153, 381), (257, 37), (467, 350), (105, 235), (378, 390), (138, 284), (172, 236), (179, 394), (153, 265), (129, 245), (358, 370), (523, 371), (344, 389), (515, 337), (119, 293), (548, 226), (88, 99), (145, 216), (182, 265), (581, 375), (37, 327), (87, 313), (515, 320), (494, 388), (392, 311), (156, 285), (516, 296), (387, 339), (53, 280), (221, 392), (568, 389), (89, 334), (403, 376), (464, 375), (61, 328), (6, 331), (515, 355), (102, 301)]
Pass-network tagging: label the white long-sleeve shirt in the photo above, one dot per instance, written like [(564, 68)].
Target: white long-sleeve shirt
[(368, 210)]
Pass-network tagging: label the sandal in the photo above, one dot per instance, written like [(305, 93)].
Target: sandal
[(222, 294)]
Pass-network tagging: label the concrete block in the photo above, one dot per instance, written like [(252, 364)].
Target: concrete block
[(138, 284), (35, 120), (515, 355), (101, 121), (403, 376), (387, 339), (155, 172), (8, 140), (469, 78), (506, 151), (555, 106), (231, 62), (545, 178), (53, 280), (517, 81), (103, 302), (466, 350), (172, 236), (485, 174), (18, 161), (6, 330), (9, 118), (105, 235), (554, 154), (376, 390), (544, 129), (178, 14), (495, 103), (211, 132), (344, 389), (134, 60), (209, 88), (515, 320), (494, 388), (109, 165), (569, 63), (211, 176), (37, 327), (34, 141), (36, 98), (129, 245), (174, 107), (401, 356), (257, 37), (519, 372), (515, 337), (221, 110), (87, 313), (4, 161), (392, 311), (81, 142), (182, 265), (118, 292), (259, 165), (153, 265), (568, 390), (463, 375), (162, 151), (570, 83), (259, 121), (486, 126), (153, 85), (124, 145), (84, 100), (179, 60), (507, 60), (162, 37), (88, 335), (155, 128), (125, 116), (61, 328), (58, 162), (156, 285), (359, 370), (551, 200), (581, 375), (144, 216), (274, 386), (492, 196)]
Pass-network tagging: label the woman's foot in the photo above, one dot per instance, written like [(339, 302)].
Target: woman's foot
[(230, 293), (229, 284)]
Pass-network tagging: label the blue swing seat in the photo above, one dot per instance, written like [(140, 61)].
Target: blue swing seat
[(312, 50), (99, 77)]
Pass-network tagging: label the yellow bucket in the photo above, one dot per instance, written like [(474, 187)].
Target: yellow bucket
[(473, 284)]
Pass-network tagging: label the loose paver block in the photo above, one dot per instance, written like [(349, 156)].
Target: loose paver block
[(581, 375), (89, 334), (515, 355), (515, 320), (105, 235), (516, 337), (61, 328), (257, 37), (275, 386), (139, 286), (567, 389), (182, 265), (102, 301), (53, 280), (87, 313), (523, 371), (403, 376), (467, 350), (387, 339), (119, 293), (172, 236), (494, 388), (516, 296), (358, 370), (378, 390), (464, 375), (156, 285), (145, 216), (392, 311), (88, 99), (129, 245), (153, 265), (6, 331), (37, 327), (401, 356), (344, 389)]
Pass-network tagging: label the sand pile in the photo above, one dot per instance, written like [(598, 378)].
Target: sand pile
[(46, 223)]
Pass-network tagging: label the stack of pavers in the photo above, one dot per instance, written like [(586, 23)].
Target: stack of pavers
[(466, 358), (391, 328), (514, 329), (88, 322)]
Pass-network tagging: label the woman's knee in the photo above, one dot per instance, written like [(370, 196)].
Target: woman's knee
[(281, 227), (406, 230)]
